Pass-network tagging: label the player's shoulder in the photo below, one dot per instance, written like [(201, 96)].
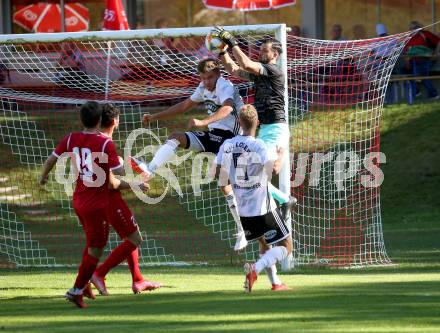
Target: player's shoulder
[(272, 69), (75, 136), (201, 85), (223, 83), (228, 144), (259, 143), (100, 137), (259, 146), (230, 141), (95, 140)]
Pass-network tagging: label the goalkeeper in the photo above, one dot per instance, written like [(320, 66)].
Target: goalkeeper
[(269, 86)]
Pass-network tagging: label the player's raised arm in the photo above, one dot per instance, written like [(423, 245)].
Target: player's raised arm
[(244, 62), (224, 111), (171, 112)]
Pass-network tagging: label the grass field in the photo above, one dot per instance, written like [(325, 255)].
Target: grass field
[(400, 298), (209, 299)]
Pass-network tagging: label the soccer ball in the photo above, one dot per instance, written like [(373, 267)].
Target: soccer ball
[(214, 44)]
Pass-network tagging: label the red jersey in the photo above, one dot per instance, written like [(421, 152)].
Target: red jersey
[(93, 156), (423, 38)]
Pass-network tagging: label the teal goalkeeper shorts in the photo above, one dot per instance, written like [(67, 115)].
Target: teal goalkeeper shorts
[(274, 135)]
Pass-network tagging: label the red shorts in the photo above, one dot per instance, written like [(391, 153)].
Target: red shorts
[(95, 225), (121, 218)]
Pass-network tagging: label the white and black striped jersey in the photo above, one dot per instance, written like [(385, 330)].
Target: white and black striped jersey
[(248, 165), (214, 100)]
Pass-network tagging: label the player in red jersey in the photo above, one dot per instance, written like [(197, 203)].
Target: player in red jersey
[(93, 156), (124, 223)]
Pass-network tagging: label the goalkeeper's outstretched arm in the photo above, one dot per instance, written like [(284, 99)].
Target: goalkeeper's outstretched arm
[(244, 63), (232, 68), (171, 112)]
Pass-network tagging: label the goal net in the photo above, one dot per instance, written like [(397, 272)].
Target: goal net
[(335, 94)]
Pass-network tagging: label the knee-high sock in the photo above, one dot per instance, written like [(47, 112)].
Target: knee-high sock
[(278, 195), (272, 256), (272, 273), (86, 269), (163, 155), (118, 255), (133, 265), (232, 203)]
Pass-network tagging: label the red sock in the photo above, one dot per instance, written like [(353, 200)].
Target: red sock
[(86, 269), (118, 255), (133, 264)]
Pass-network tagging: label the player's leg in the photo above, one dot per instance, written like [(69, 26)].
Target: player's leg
[(165, 153), (212, 142), (168, 150), (271, 271), (273, 230), (274, 136), (124, 223), (241, 241), (286, 207), (96, 230), (139, 283), (277, 233), (117, 256)]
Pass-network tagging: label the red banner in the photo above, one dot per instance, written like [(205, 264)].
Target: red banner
[(114, 16), (247, 5)]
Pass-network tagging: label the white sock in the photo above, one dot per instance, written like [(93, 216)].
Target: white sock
[(272, 273), (270, 258), (232, 204), (163, 155)]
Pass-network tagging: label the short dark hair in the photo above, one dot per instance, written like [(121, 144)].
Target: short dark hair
[(90, 114), (208, 65), (274, 44), (109, 112)]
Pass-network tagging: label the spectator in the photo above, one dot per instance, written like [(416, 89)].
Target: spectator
[(4, 73), (296, 31), (161, 23), (421, 49), (167, 43), (140, 26), (337, 32), (359, 32), (381, 30)]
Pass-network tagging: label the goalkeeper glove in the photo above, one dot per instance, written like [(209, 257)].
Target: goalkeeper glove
[(226, 37)]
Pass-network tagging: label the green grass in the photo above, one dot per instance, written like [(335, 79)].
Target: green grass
[(203, 299), (410, 198), (400, 298)]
